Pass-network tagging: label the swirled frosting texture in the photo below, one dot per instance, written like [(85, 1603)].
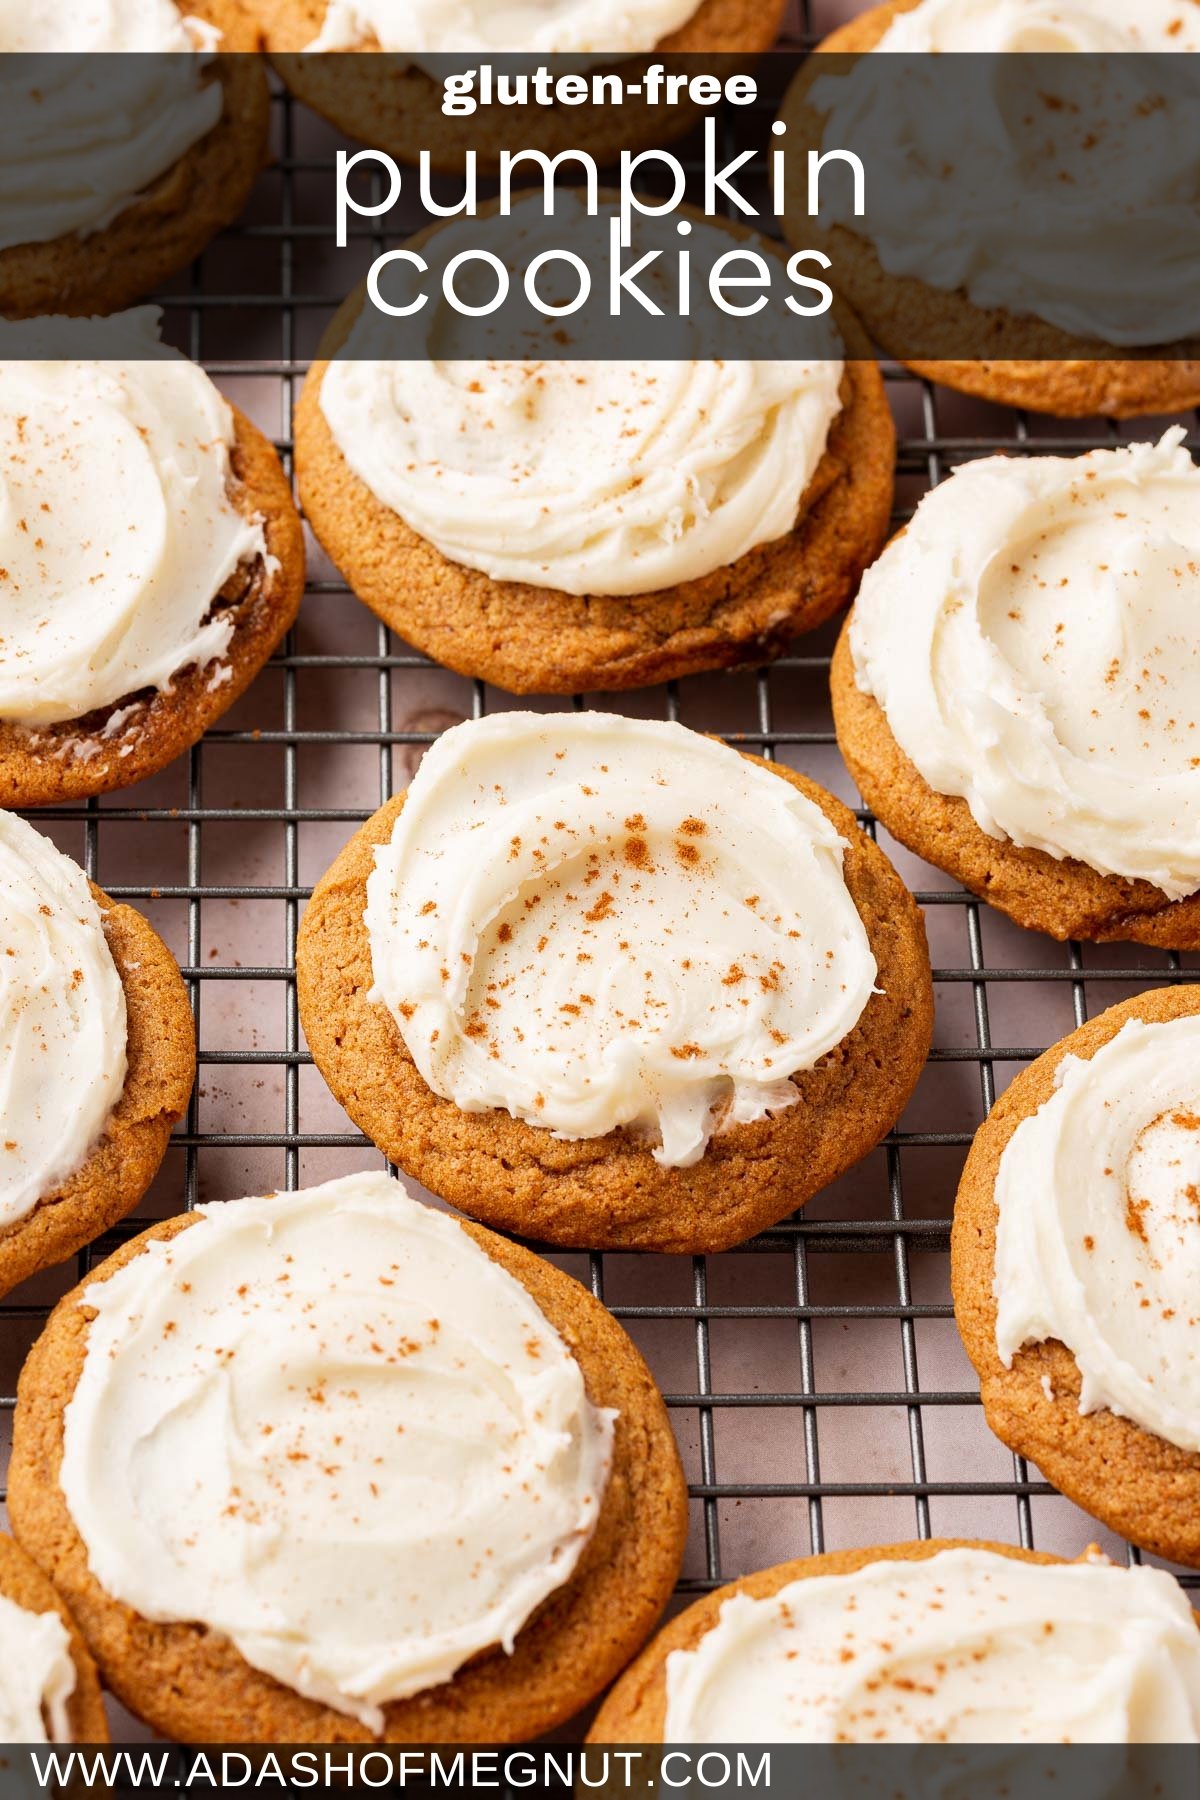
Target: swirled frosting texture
[(575, 919), (1078, 213), (1098, 1235), (62, 1019), (82, 139), (1044, 25), (587, 477), (37, 1676), (540, 27), (330, 1427), (117, 531), (1031, 638), (967, 1646)]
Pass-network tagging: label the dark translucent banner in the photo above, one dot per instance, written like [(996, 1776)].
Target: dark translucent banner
[(689, 1771), (932, 205)]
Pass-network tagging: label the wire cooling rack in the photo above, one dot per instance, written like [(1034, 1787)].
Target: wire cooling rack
[(817, 1385)]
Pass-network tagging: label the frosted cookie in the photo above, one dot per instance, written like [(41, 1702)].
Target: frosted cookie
[(96, 1055), (1017, 690), (49, 1689), (605, 982), (153, 524), (992, 287), (122, 173), (560, 526), (937, 1642), (1076, 1264), (330, 1466), (393, 101)]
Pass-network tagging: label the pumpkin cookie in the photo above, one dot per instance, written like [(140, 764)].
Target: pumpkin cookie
[(604, 982), (49, 1689), (154, 520), (96, 1055), (343, 1565), (94, 218), (903, 1644), (390, 96), (561, 526), (1017, 690), (1076, 1238), (1065, 369)]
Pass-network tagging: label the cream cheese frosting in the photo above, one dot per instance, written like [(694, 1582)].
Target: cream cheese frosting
[(117, 530), (539, 27), (1098, 1235), (1045, 26), (1085, 222), (62, 1020), (85, 139), (37, 1676), (575, 920), (589, 477), (328, 1426), (967, 1646), (1031, 639)]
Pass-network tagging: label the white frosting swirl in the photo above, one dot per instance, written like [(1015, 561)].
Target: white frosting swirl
[(1031, 638), (967, 1646), (37, 1676), (1045, 26), (83, 140), (1089, 222), (1098, 1237), (62, 1020), (540, 27), (590, 477), (117, 531), (574, 920), (329, 1426)]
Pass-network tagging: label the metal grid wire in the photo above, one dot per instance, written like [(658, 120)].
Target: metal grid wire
[(815, 1378)]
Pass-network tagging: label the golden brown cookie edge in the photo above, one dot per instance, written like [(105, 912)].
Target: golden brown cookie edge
[(609, 1192), (161, 1053), (190, 1684), (169, 224), (528, 639), (1073, 376), (40, 765), (634, 1712), (1061, 897), (1139, 1485), (399, 111), (22, 1582)]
